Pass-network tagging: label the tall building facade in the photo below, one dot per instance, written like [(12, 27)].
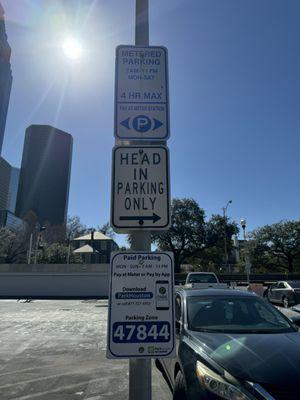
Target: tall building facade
[(13, 189), (9, 179), (45, 174), (5, 174), (5, 76)]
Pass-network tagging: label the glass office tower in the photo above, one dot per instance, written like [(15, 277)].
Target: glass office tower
[(5, 76), (45, 174)]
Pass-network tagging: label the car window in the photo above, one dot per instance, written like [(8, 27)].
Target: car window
[(265, 313), (178, 308), (294, 284), (202, 278), (274, 286), (235, 314), (281, 285)]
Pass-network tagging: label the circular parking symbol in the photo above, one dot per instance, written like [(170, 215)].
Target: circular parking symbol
[(141, 123)]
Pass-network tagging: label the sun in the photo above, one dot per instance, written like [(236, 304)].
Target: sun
[(72, 48)]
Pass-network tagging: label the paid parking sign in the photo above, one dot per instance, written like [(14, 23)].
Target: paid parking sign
[(140, 188), (141, 306), (141, 93)]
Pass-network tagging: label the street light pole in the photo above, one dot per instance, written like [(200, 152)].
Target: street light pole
[(38, 242), (30, 249), (246, 256), (140, 369), (225, 235)]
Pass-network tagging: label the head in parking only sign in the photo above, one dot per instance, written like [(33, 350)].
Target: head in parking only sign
[(140, 188)]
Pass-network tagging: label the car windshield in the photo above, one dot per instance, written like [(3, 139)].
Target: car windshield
[(202, 278), (294, 284), (235, 314)]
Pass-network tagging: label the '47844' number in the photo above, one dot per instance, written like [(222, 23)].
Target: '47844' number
[(136, 332)]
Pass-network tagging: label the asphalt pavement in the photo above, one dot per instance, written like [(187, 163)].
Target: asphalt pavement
[(55, 350)]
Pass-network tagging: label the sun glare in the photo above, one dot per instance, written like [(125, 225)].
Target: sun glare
[(72, 48)]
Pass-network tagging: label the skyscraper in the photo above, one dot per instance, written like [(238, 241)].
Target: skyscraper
[(45, 174), (8, 189), (13, 189), (5, 76), (5, 173)]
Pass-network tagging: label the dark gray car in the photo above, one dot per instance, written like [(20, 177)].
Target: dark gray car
[(232, 345), (286, 293)]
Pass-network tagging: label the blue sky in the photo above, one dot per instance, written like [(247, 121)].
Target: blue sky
[(234, 71)]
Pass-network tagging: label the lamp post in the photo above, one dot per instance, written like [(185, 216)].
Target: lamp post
[(30, 249), (38, 242), (243, 225), (225, 236), (246, 255)]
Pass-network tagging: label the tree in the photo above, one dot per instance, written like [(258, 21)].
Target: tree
[(107, 230), (216, 229), (31, 221), (75, 228), (186, 233), (57, 253), (53, 233), (13, 247), (211, 256), (277, 245), (190, 236)]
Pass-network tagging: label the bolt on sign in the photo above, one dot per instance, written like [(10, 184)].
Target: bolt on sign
[(140, 188), (141, 307), (141, 93)]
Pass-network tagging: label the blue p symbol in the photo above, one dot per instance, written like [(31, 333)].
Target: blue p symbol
[(141, 123)]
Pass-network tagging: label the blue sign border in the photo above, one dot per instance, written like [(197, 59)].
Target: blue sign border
[(109, 304), (167, 134)]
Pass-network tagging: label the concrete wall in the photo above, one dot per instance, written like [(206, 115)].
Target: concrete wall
[(54, 281)]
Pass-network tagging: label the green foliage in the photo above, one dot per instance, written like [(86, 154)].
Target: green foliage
[(276, 247), (186, 233), (57, 253), (191, 238), (54, 239)]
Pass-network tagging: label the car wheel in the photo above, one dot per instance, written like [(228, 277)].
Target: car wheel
[(179, 392), (285, 302)]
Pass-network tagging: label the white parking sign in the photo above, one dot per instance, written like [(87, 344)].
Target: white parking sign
[(141, 305), (140, 188), (141, 93)]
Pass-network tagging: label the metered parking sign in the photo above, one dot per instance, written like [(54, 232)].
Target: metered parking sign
[(141, 305), (141, 94), (140, 188)]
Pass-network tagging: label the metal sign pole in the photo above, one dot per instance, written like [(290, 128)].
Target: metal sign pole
[(142, 23), (140, 369)]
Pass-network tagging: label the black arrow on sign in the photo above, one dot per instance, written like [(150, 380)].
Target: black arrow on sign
[(141, 219)]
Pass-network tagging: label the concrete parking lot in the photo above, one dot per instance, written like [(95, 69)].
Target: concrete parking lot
[(55, 350)]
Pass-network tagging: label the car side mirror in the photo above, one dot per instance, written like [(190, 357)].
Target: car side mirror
[(177, 327)]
